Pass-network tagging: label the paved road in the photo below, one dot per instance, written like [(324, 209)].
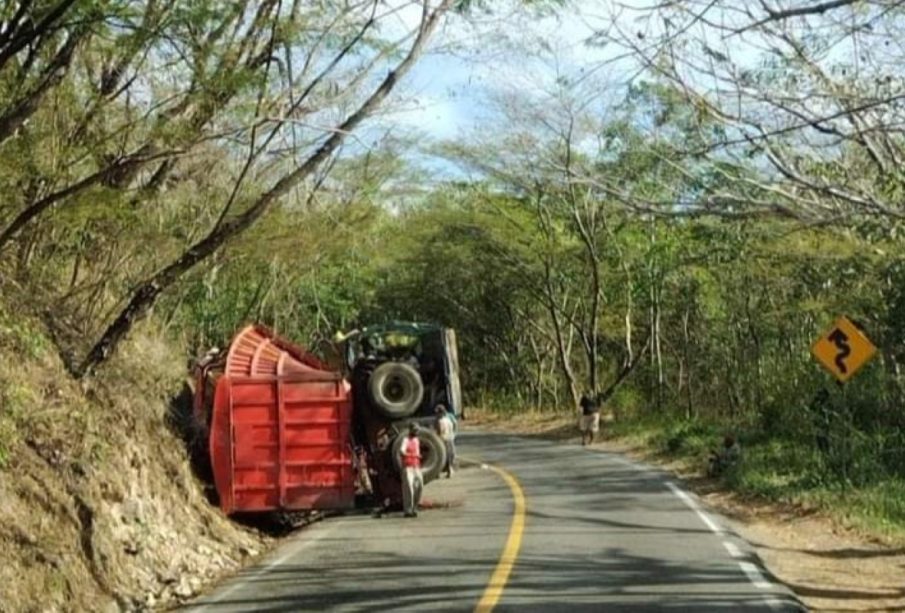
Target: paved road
[(601, 534)]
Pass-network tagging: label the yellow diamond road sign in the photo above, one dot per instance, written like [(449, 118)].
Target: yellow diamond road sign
[(843, 350)]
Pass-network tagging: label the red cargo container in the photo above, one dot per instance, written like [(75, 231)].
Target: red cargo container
[(279, 428)]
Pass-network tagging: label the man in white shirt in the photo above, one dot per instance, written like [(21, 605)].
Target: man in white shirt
[(447, 432)]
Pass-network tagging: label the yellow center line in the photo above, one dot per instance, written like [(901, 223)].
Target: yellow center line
[(494, 590)]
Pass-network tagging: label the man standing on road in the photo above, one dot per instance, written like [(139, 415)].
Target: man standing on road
[(412, 482), (447, 431), (589, 422)]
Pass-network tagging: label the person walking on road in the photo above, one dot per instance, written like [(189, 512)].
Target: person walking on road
[(447, 431), (412, 481), (589, 422)]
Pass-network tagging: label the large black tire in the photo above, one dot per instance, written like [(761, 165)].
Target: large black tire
[(396, 389), (433, 454)]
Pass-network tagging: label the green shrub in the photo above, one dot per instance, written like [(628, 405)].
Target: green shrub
[(690, 437), (626, 403)]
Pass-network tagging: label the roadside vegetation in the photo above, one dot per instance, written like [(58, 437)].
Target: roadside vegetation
[(670, 229), (782, 470)]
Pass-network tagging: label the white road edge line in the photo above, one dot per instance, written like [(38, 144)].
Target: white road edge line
[(755, 575), (733, 550), (751, 570), (688, 500), (241, 581)]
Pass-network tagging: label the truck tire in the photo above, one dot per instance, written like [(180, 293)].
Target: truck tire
[(433, 454), (396, 389)]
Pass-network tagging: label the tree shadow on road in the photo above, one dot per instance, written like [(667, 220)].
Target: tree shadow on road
[(611, 580)]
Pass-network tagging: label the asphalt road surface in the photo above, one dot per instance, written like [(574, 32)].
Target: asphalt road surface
[(595, 532)]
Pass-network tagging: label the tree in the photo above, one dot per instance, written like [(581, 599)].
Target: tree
[(570, 228), (806, 99)]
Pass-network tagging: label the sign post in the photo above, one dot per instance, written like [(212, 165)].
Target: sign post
[(843, 349)]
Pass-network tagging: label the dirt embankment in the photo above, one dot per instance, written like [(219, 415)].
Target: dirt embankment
[(830, 566), (99, 508)]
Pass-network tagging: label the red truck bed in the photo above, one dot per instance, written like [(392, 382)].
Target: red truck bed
[(280, 429)]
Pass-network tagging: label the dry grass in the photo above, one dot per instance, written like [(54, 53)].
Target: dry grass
[(98, 505)]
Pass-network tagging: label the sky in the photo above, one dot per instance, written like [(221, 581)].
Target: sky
[(445, 94)]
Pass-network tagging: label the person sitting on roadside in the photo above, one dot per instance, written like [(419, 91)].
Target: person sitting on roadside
[(589, 422), (447, 432), (724, 458)]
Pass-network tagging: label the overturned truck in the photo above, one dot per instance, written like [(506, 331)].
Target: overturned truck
[(400, 372), (286, 432)]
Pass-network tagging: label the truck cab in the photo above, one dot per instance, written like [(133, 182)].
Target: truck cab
[(407, 368), (400, 372)]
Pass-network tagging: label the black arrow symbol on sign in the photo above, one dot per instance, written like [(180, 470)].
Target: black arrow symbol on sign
[(840, 339)]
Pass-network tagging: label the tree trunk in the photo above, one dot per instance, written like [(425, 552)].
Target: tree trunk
[(21, 31), (144, 297), (626, 370), (658, 352), (24, 108), (689, 408), (36, 208), (562, 352)]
